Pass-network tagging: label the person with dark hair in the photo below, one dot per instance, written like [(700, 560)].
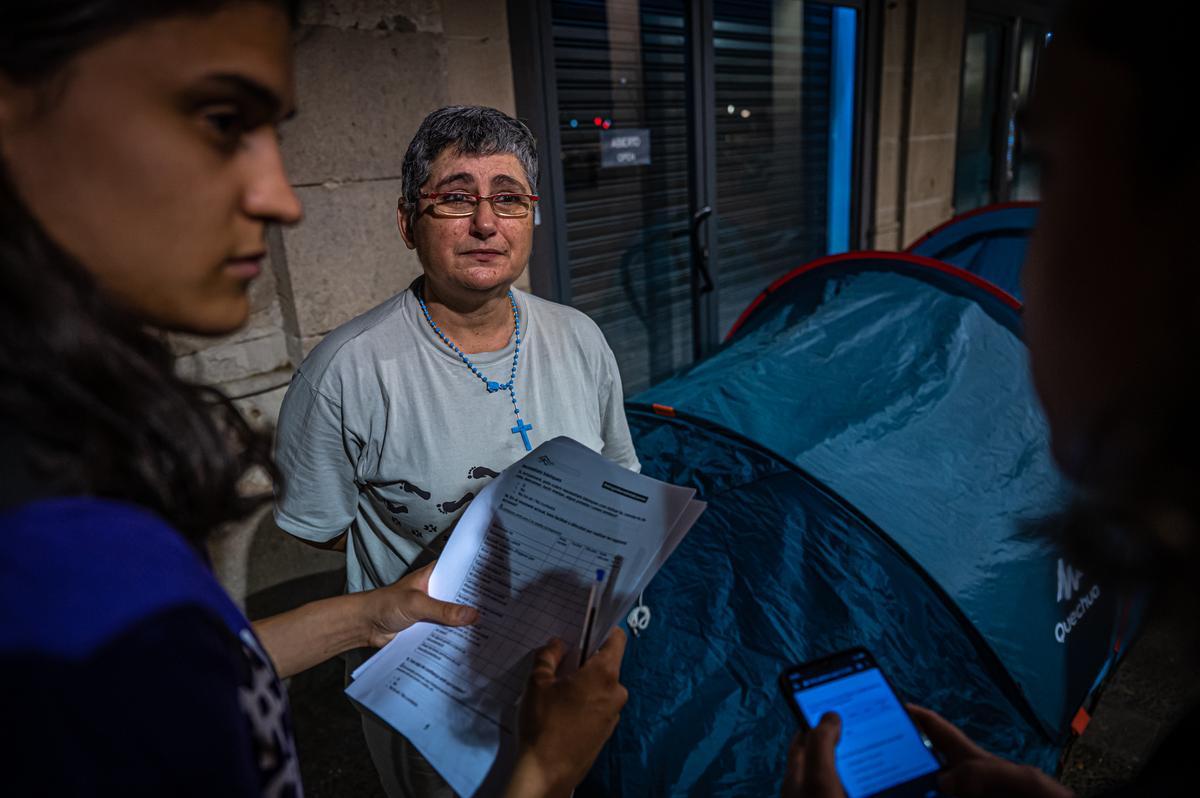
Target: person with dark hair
[(1113, 324), (139, 168), (400, 416)]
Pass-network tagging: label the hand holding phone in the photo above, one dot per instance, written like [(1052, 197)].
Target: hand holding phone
[(971, 771), (880, 752), (812, 762)]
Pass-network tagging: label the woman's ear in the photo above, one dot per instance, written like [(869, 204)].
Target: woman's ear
[(404, 220)]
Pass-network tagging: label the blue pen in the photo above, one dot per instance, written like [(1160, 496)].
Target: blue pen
[(590, 617)]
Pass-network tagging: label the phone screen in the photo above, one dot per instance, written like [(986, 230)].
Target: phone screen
[(880, 747)]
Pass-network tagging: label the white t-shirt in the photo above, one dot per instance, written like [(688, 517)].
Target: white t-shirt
[(385, 431)]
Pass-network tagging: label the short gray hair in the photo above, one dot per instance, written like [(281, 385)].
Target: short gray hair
[(472, 130)]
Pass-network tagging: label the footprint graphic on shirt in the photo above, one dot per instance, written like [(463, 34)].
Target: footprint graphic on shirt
[(395, 507), (482, 472), (430, 529), (449, 507), (408, 487)]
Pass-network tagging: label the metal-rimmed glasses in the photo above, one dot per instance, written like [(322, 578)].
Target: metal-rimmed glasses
[(508, 204)]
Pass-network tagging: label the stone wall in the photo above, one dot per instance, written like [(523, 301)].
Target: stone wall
[(367, 73), (918, 118)]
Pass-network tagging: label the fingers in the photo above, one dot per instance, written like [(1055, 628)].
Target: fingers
[(603, 673), (793, 778), (420, 577), (993, 777), (612, 652), (812, 762), (974, 773), (947, 738), (427, 608), (972, 779), (546, 661), (819, 754)]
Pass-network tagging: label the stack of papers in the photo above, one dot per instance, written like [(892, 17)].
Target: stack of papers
[(526, 555)]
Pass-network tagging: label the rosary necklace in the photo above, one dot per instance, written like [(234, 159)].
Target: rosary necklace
[(492, 386)]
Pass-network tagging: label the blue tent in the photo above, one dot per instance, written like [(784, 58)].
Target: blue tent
[(872, 454), (990, 241)]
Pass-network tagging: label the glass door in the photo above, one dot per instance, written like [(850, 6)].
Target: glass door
[(1024, 175), (620, 68), (979, 113), (785, 101), (1000, 60), (705, 149)]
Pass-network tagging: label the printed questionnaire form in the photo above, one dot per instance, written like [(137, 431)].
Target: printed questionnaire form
[(525, 553)]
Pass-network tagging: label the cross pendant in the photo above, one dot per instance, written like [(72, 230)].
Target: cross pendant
[(523, 428)]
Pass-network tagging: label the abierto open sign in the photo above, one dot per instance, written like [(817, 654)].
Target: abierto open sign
[(627, 147)]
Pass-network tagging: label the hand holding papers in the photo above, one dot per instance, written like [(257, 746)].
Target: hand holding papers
[(525, 554)]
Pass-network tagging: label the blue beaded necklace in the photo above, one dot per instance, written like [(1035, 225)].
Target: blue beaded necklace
[(492, 386)]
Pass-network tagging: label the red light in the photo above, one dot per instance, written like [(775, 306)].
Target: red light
[(606, 124), (597, 121)]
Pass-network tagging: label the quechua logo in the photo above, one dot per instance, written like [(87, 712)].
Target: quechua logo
[(1068, 586)]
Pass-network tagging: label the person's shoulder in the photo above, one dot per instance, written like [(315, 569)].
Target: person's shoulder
[(562, 317), (76, 571), (347, 345)]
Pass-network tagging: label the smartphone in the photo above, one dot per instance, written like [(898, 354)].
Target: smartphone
[(882, 753)]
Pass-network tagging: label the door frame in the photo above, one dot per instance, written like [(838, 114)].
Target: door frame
[(531, 40), (1012, 15)]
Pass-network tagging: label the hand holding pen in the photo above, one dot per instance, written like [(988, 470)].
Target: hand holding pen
[(565, 720)]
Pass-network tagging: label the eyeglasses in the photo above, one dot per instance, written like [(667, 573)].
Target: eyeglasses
[(460, 203)]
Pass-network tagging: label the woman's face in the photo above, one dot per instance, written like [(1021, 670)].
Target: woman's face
[(153, 158), (478, 254)]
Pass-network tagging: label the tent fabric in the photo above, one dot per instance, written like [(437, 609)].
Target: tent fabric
[(873, 456), (777, 571), (990, 241)]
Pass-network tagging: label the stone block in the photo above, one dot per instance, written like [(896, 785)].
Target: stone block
[(287, 299), (935, 96), (920, 218), (939, 33), (407, 16), (891, 103), (930, 169), (887, 173), (261, 409), (480, 74), (236, 360), (480, 19), (895, 34), (347, 256), (887, 238), (361, 96)]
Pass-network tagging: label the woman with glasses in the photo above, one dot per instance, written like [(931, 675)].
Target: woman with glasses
[(400, 416), (139, 169)]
